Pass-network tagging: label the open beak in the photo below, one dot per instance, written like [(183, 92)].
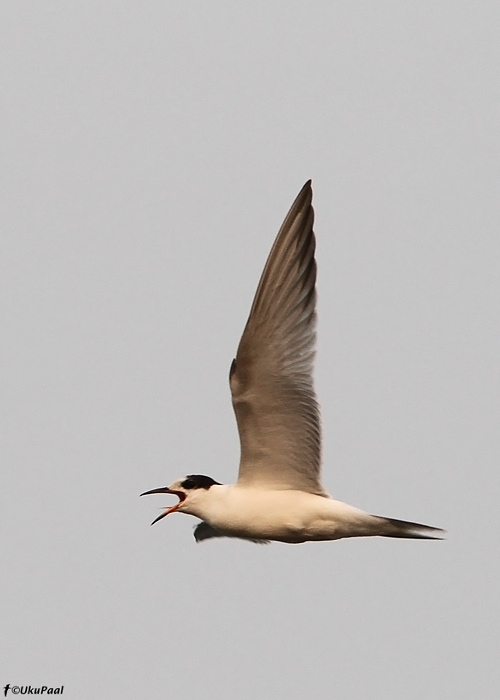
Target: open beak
[(180, 494)]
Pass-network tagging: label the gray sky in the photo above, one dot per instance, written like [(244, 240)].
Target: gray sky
[(149, 154)]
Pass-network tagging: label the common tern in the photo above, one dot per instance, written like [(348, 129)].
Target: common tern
[(278, 494)]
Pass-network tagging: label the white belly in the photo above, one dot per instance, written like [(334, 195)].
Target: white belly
[(286, 516)]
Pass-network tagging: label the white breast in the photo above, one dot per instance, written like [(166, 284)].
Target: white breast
[(288, 516)]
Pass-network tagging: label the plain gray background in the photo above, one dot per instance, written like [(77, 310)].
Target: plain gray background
[(149, 154)]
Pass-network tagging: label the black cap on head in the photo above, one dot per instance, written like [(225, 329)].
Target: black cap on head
[(198, 481)]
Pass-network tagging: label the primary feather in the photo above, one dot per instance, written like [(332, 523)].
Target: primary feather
[(271, 377)]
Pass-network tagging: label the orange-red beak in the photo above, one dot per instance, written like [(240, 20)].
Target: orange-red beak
[(180, 494)]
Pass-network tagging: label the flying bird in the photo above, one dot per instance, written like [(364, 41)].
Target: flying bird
[(278, 495)]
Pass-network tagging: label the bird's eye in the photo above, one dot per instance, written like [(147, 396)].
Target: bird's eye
[(188, 484)]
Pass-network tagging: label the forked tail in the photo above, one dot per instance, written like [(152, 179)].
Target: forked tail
[(390, 527)]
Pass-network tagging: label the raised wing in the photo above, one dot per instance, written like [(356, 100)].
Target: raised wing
[(271, 377)]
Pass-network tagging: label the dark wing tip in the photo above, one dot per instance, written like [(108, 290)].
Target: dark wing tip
[(232, 369), (305, 193), (203, 531)]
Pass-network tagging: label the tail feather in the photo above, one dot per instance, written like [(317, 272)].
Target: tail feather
[(390, 527)]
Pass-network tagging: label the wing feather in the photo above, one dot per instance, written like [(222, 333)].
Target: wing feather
[(271, 377), (204, 531)]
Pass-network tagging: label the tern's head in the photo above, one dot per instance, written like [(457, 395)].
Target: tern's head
[(190, 490)]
